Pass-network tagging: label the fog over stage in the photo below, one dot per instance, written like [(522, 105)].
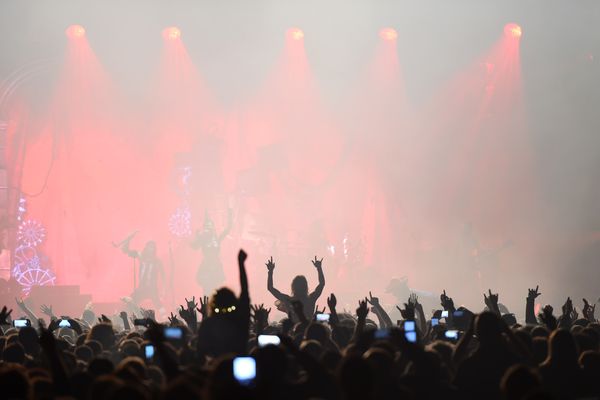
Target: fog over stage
[(447, 145)]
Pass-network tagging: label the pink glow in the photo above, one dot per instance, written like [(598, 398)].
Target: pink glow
[(75, 32), (388, 34)]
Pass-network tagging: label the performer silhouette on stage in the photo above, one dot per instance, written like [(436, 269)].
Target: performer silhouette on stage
[(150, 268), (210, 273)]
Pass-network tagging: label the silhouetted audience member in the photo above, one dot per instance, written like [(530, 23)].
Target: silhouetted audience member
[(222, 354)]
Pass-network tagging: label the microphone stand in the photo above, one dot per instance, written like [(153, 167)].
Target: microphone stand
[(124, 245)]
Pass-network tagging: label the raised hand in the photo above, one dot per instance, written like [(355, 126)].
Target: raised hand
[(590, 316), (363, 309), (188, 315), (588, 311), (270, 264), (567, 308), (317, 263), (332, 303), (191, 304), (4, 315), (104, 319), (408, 312), (261, 316), (46, 310), (547, 318), (533, 293), (125, 319), (413, 299), (374, 301), (203, 310), (491, 301), (21, 304), (574, 314), (446, 302), (173, 320), (242, 256)]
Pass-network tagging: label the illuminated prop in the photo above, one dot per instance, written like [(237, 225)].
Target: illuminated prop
[(180, 223), (29, 269), (31, 233), (30, 266)]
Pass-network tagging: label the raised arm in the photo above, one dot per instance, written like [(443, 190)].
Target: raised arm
[(244, 294), (530, 306), (32, 317), (361, 318), (319, 289), (461, 351), (384, 319), (276, 293), (491, 302)]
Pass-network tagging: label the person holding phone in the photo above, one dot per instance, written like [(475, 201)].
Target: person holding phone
[(299, 289)]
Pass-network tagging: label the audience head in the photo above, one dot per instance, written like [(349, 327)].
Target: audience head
[(222, 302), (299, 286), (562, 349), (487, 328), (103, 334), (519, 381)]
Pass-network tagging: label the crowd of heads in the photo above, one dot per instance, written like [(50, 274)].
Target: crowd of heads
[(225, 347)]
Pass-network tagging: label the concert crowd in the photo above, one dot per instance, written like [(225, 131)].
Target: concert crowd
[(226, 347)]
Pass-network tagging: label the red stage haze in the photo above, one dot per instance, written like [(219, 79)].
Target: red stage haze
[(388, 34), (172, 33), (513, 30), (75, 31), (295, 33)]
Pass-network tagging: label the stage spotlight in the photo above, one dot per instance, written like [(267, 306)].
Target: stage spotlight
[(75, 31), (513, 30), (295, 34), (388, 34), (172, 33)]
